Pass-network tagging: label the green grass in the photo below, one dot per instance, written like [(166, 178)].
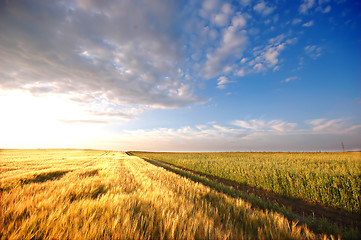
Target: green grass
[(331, 179)]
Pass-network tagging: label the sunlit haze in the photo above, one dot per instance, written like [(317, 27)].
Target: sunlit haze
[(181, 75)]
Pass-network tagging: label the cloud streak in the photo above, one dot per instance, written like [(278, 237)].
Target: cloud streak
[(250, 128), (261, 125)]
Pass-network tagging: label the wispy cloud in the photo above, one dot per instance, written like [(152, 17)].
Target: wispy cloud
[(308, 24), (324, 6), (313, 51), (262, 125), (206, 131), (268, 56), (222, 18), (322, 124), (245, 135), (290, 79), (234, 41), (263, 9), (320, 6), (222, 81), (353, 128), (118, 114), (306, 5)]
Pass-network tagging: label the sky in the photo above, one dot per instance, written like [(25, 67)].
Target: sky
[(163, 75)]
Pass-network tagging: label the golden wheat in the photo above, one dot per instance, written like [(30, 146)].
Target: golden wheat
[(73, 194)]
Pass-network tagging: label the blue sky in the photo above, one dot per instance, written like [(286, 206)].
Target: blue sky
[(181, 75)]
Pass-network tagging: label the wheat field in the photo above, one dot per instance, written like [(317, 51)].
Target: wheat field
[(89, 194)]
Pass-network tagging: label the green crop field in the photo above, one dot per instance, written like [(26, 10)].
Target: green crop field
[(330, 179)]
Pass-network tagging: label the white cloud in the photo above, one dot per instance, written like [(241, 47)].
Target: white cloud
[(241, 72), (322, 8), (289, 79), (201, 127), (186, 132), (210, 5), (308, 24), (218, 55), (268, 56), (263, 9), (213, 130), (258, 67), (324, 125), (316, 121), (222, 18), (225, 56), (239, 21), (201, 138), (261, 125), (292, 40), (227, 69), (255, 134), (271, 55), (231, 47), (222, 81), (353, 128), (306, 5), (313, 51), (340, 126)]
